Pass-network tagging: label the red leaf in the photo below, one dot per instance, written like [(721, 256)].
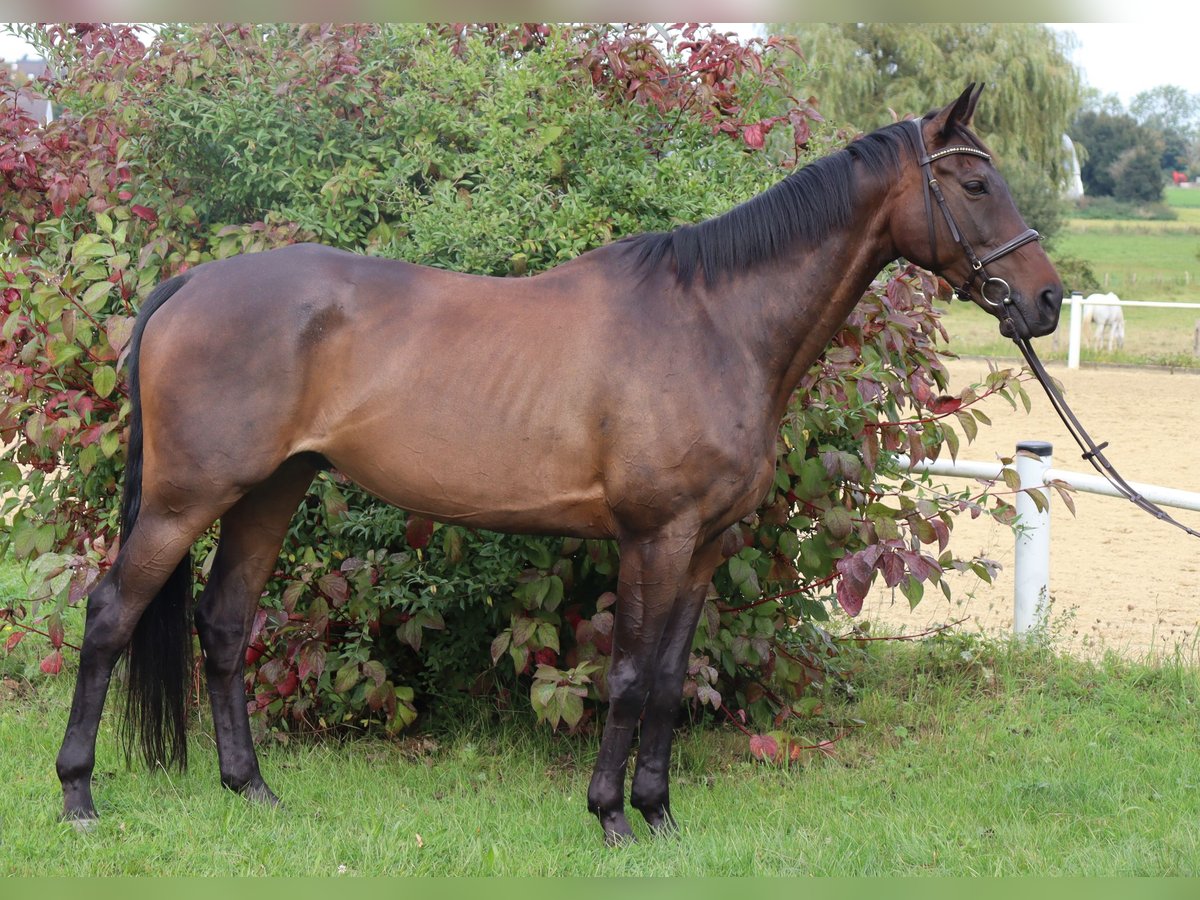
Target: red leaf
[(272, 671), (893, 569), (13, 639), (850, 595), (334, 586), (753, 136), (944, 405), (144, 212), (311, 660), (418, 531), (53, 663), (763, 747)]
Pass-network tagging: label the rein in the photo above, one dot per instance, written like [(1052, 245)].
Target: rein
[(1092, 452), (1001, 300)]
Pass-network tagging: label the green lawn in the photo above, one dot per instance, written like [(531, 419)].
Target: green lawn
[(1137, 260), (1183, 198), (972, 759), (1141, 261)]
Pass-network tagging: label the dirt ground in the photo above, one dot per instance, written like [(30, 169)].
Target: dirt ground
[(1119, 579)]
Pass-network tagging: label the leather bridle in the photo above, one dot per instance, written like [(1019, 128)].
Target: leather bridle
[(996, 293)]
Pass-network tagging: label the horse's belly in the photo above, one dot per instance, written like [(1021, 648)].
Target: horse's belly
[(542, 490)]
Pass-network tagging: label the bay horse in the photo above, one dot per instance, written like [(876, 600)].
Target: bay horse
[(633, 393)]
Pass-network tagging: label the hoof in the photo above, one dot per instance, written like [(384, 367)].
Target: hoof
[(617, 832), (663, 824), (260, 794), (82, 822)]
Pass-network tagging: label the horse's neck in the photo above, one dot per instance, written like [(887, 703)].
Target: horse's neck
[(801, 300)]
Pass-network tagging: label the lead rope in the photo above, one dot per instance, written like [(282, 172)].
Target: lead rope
[(1092, 452)]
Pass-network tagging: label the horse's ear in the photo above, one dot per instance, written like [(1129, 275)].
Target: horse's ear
[(958, 113)]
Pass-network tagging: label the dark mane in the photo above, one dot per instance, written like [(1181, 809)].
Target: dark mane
[(804, 206)]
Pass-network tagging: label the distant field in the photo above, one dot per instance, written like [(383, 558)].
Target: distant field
[(1183, 198), (1135, 259), (1159, 337), (1142, 261)]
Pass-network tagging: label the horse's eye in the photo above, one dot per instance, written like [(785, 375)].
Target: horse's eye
[(975, 187)]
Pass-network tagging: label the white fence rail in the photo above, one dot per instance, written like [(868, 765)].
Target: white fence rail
[(1031, 563), (1075, 328)]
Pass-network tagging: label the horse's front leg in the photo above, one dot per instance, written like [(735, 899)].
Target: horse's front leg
[(652, 570), (650, 794)]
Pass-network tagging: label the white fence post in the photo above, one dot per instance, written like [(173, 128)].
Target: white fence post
[(1075, 330), (1031, 564)]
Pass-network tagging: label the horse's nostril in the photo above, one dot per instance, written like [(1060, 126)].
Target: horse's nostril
[(1051, 298)]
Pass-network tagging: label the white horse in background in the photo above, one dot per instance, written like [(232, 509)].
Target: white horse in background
[(1107, 321)]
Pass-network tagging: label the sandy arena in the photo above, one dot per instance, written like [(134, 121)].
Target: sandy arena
[(1119, 579)]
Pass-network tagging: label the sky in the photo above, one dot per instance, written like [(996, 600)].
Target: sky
[(1129, 57), (1116, 58)]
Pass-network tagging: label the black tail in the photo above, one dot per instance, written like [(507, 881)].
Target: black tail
[(160, 651)]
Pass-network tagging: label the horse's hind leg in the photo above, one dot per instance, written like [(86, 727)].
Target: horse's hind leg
[(154, 548), (252, 532)]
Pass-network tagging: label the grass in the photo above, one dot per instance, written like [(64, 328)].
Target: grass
[(1183, 198), (975, 758), (1136, 259), (1138, 262), (1153, 337)]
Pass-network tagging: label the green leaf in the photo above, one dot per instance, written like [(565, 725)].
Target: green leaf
[(789, 544), (347, 677), (532, 594), (839, 521), (110, 442), (571, 707), (541, 695), (91, 246), (814, 480), (538, 553), (500, 644), (522, 630), (554, 594), (547, 636), (104, 379), (913, 590), (93, 297)]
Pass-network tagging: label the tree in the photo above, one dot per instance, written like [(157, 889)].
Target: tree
[(1175, 114), (1137, 176), (1115, 148), (863, 72)]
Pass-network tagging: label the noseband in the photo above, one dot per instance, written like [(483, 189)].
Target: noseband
[(994, 291), (997, 294)]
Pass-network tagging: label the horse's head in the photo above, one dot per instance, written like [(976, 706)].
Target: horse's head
[(957, 218)]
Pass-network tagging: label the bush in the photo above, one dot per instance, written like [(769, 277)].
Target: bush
[(489, 149), (1111, 208)]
